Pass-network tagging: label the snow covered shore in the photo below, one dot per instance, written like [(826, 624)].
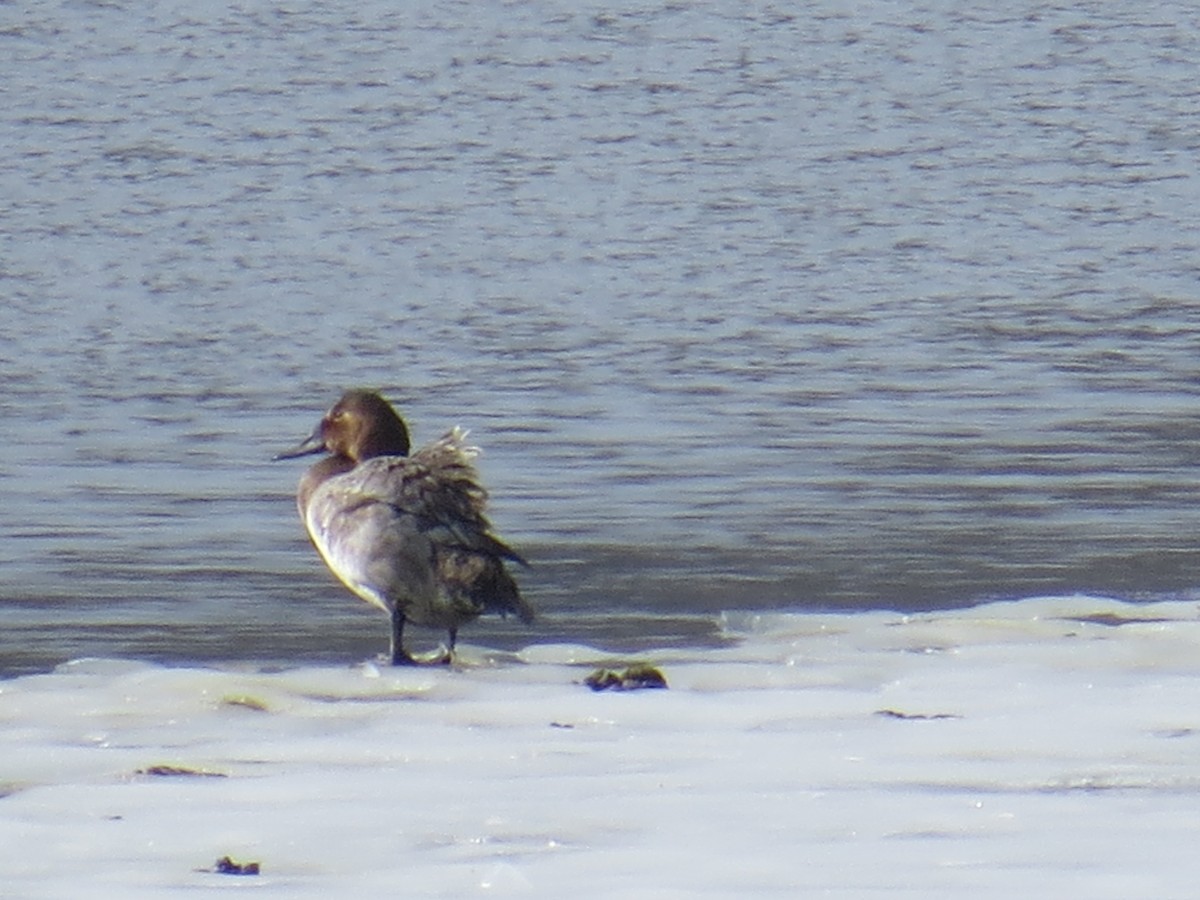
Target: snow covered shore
[(1046, 748)]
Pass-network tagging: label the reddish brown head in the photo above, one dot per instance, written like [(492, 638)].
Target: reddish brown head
[(361, 425)]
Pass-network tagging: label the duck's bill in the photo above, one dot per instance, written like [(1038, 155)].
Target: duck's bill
[(314, 443)]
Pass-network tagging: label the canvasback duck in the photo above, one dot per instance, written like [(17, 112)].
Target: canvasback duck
[(406, 533)]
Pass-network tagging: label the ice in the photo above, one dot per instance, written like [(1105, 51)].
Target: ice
[(1047, 747)]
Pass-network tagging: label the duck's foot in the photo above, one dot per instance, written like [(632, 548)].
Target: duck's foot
[(438, 657)]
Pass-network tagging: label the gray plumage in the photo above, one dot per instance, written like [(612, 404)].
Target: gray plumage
[(405, 533)]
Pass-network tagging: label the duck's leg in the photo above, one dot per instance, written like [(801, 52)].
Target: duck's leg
[(448, 657), (400, 656)]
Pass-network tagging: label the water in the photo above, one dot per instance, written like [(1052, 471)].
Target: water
[(750, 307)]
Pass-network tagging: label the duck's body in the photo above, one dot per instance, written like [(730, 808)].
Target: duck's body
[(405, 533)]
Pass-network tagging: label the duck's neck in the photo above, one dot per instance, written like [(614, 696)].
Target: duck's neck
[(318, 474), (385, 439)]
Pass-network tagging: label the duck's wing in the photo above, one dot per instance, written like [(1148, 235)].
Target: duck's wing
[(413, 527), (376, 550), (439, 486)]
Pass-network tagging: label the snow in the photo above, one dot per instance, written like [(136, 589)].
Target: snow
[(1046, 747)]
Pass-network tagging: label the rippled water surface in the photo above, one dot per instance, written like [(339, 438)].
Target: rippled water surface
[(750, 305)]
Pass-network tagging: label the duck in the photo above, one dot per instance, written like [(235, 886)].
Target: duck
[(406, 532)]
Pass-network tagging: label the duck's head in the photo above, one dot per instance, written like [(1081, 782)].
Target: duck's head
[(361, 425)]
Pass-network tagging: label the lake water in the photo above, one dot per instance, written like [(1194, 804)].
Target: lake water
[(751, 306)]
